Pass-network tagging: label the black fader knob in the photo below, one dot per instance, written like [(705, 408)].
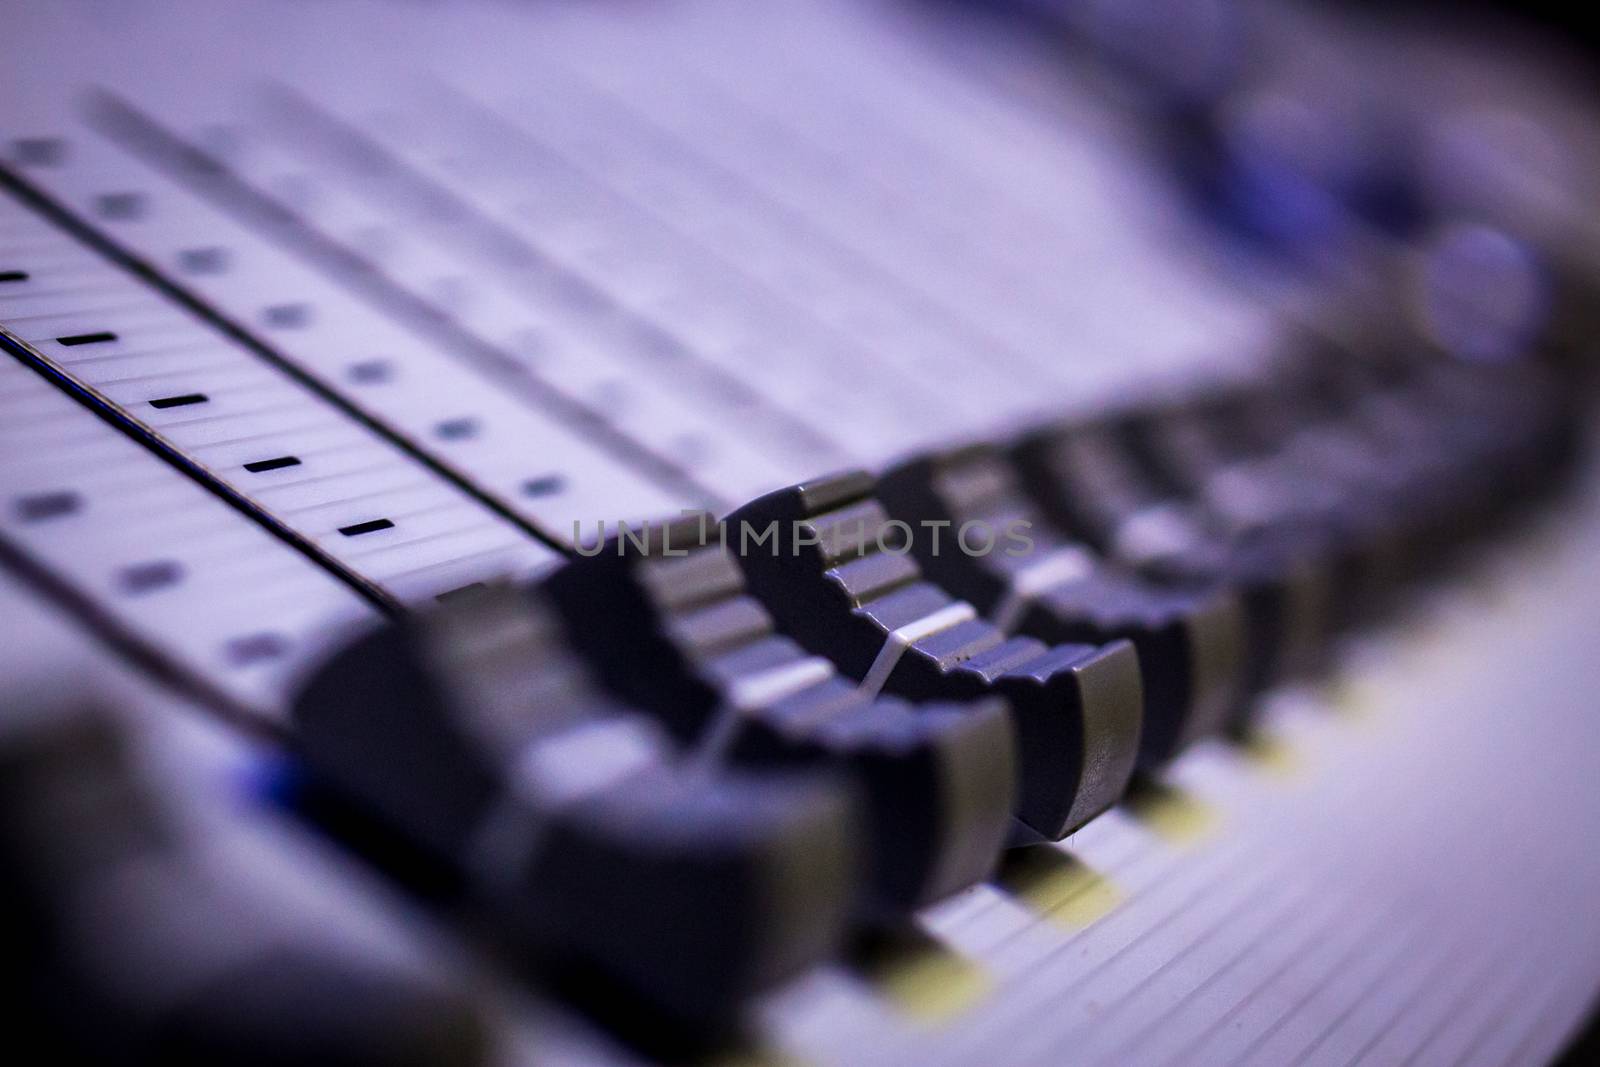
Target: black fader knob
[(1450, 446), (1312, 412), (1372, 431), (1087, 481), (133, 941), (1001, 554), (571, 820), (1212, 457), (1219, 452), (1414, 449), (665, 617), (1283, 457), (832, 574)]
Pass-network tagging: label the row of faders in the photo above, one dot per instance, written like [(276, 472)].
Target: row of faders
[(697, 757)]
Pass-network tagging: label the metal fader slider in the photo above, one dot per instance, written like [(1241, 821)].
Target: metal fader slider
[(669, 624), (1190, 641), (572, 822), (837, 585)]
